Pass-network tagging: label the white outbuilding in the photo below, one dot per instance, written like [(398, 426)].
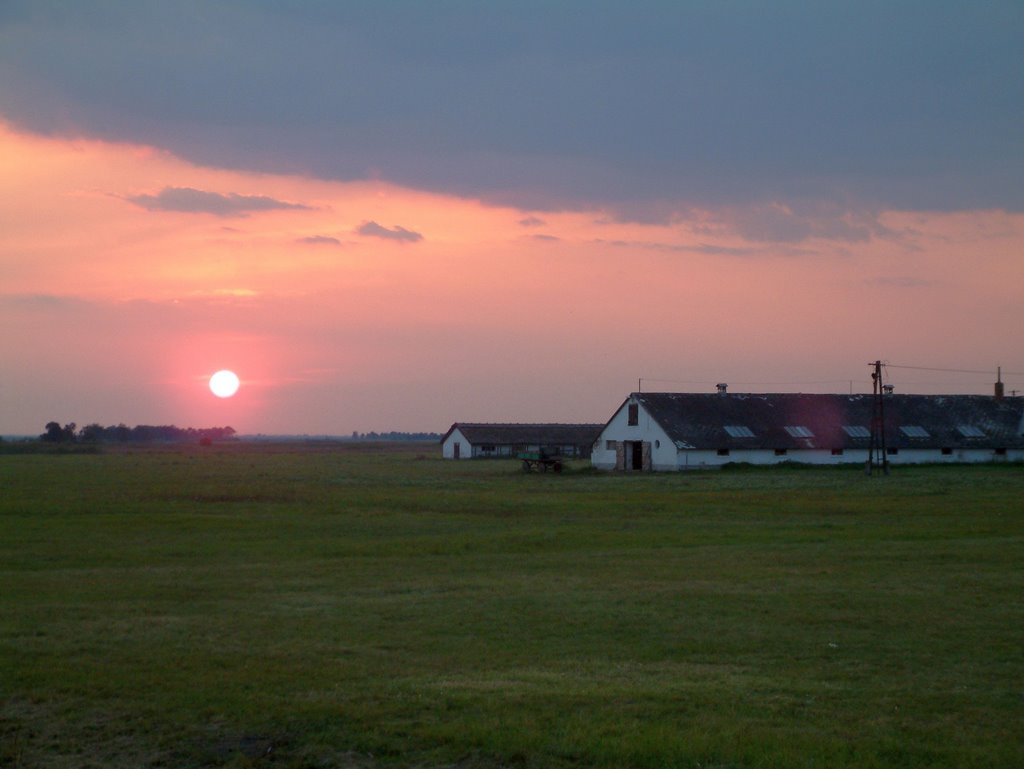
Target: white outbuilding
[(473, 440)]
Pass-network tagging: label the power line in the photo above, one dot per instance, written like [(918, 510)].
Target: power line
[(951, 370), (933, 383), (734, 382)]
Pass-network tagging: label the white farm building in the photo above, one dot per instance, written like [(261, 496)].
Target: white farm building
[(472, 440), (676, 431)]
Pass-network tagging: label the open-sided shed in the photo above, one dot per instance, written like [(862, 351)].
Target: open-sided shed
[(468, 440)]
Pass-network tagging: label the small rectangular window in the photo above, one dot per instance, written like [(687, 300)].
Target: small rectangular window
[(799, 431), (634, 414), (892, 451), (739, 431), (970, 431), (723, 452), (946, 451), (857, 431), (1000, 452), (780, 452), (837, 452), (914, 431), (610, 445)]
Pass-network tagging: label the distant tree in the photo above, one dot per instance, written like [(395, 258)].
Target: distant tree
[(217, 433), (57, 434), (53, 432), (394, 435), (92, 433), (97, 433)]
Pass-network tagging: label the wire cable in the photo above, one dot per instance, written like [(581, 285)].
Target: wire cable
[(951, 370)]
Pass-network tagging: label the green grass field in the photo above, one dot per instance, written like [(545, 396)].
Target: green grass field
[(333, 606)]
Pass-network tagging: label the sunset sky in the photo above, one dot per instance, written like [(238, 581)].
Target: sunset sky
[(396, 215)]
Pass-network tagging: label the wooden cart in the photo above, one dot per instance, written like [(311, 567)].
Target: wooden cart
[(541, 461)]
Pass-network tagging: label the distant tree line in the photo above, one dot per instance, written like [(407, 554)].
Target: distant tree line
[(95, 433), (394, 435)]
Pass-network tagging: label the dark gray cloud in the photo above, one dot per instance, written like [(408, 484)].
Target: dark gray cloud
[(640, 107), (713, 250), (320, 240), (777, 223), (41, 301), (189, 200), (400, 234), (757, 251), (532, 221)]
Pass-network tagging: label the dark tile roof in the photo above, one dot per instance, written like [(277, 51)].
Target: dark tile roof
[(699, 420), (527, 434)]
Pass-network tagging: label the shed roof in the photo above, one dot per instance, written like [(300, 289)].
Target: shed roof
[(824, 421), (547, 434)]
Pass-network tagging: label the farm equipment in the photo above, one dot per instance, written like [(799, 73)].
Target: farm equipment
[(540, 460)]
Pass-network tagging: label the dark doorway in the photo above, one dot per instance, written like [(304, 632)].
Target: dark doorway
[(457, 450), (637, 456)]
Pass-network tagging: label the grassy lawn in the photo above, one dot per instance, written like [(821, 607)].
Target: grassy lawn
[(300, 606)]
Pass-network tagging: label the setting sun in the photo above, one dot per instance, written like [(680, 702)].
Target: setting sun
[(224, 384)]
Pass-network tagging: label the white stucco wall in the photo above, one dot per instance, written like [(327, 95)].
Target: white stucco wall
[(501, 450), (694, 459), (448, 447), (697, 459), (917, 456), (663, 451)]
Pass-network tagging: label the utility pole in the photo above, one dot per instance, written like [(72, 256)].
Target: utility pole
[(877, 454)]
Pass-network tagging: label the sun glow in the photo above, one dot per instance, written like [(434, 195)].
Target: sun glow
[(224, 383)]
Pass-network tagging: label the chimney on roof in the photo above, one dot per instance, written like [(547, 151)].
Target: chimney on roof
[(722, 388), (999, 383)]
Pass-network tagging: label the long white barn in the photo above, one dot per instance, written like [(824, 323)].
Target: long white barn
[(676, 431)]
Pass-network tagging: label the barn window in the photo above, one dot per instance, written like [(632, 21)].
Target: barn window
[(634, 414), (914, 431), (487, 448), (892, 450), (946, 451), (799, 431), (739, 431), (780, 452), (609, 445), (1000, 452), (723, 452), (837, 452), (857, 431), (970, 431)]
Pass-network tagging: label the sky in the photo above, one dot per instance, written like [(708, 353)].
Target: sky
[(398, 215)]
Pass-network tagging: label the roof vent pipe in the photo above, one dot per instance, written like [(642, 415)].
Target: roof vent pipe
[(999, 383), (722, 388)]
